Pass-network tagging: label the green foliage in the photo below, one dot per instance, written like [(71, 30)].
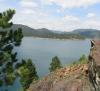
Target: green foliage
[(9, 78), (18, 36), (4, 56), (9, 68), (27, 72), (5, 17), (55, 64), (82, 60), (8, 40), (1, 83)]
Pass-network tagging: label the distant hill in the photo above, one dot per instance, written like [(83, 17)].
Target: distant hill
[(28, 31), (46, 33), (88, 33)]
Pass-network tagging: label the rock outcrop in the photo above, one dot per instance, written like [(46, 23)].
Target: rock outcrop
[(78, 77), (94, 64), (72, 78)]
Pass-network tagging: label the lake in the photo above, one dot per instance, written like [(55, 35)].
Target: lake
[(41, 51)]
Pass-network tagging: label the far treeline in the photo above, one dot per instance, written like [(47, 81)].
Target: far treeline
[(46, 33)]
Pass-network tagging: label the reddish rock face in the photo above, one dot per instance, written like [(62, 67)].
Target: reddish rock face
[(95, 51), (94, 64), (73, 85), (65, 79), (96, 42)]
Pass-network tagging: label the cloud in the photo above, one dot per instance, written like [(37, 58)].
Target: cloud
[(36, 14), (27, 11), (28, 7), (66, 23), (70, 18), (93, 24), (71, 3), (28, 3), (91, 15)]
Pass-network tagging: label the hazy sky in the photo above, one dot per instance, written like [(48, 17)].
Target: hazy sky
[(62, 15)]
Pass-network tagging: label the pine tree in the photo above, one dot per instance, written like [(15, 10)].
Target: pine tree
[(55, 64), (8, 40), (27, 72)]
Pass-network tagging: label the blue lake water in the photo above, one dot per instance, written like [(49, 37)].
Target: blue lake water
[(41, 51)]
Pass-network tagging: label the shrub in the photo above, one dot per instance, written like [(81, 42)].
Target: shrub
[(55, 64)]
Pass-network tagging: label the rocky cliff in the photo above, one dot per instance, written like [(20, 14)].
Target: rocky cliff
[(94, 64), (77, 77), (72, 78)]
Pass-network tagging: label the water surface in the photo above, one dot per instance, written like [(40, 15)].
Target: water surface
[(41, 51)]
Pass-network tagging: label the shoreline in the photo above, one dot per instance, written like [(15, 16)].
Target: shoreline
[(55, 38)]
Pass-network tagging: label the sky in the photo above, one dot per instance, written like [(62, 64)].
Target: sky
[(59, 15)]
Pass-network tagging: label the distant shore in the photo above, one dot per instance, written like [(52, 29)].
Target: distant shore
[(60, 38)]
